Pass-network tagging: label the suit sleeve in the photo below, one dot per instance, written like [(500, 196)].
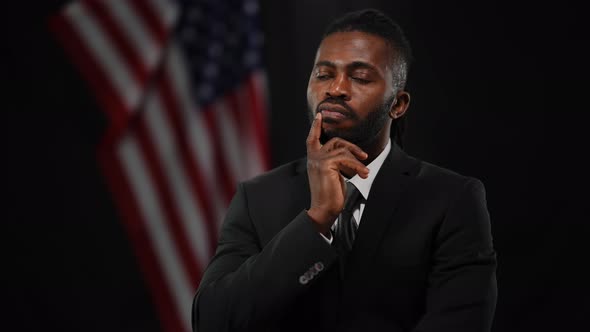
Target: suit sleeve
[(462, 289), (246, 286)]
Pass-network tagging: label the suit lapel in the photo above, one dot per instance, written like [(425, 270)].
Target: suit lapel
[(391, 181)]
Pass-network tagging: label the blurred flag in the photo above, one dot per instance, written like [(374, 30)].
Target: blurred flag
[(184, 90)]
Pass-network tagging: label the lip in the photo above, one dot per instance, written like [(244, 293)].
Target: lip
[(333, 115), (333, 108), (332, 111)]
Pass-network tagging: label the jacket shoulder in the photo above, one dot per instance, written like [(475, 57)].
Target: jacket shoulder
[(278, 175), (444, 178)]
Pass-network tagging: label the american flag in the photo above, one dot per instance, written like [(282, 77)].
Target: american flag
[(183, 87)]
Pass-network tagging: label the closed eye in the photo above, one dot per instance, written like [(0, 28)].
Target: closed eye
[(322, 77), (361, 80)]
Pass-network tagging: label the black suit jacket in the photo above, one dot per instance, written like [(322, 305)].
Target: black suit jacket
[(423, 258)]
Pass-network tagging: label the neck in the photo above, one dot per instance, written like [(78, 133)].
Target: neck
[(376, 145), (373, 151)]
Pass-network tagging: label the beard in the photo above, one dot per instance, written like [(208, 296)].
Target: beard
[(365, 132)]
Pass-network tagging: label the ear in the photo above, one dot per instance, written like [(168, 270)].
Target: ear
[(400, 104)]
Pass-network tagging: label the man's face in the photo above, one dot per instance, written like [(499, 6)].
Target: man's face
[(351, 85)]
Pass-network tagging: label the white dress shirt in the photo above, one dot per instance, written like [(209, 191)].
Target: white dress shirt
[(364, 185)]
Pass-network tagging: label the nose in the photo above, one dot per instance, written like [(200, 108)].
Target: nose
[(339, 87)]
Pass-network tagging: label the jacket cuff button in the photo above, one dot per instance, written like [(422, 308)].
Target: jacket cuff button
[(319, 266), (303, 280)]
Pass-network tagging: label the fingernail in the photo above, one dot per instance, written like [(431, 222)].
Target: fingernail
[(317, 115)]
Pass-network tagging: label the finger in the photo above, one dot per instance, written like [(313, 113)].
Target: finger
[(347, 171), (313, 138), (344, 160), (337, 142), (352, 167)]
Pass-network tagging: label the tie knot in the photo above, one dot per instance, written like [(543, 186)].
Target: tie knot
[(352, 196)]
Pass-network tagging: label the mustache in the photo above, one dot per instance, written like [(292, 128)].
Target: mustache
[(337, 101)]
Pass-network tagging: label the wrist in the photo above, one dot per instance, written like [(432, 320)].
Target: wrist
[(321, 220)]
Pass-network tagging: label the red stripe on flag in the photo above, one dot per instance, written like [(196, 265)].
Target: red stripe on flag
[(136, 228), (257, 110), (239, 114), (152, 20), (154, 166), (224, 175), (107, 96), (121, 44), (194, 171)]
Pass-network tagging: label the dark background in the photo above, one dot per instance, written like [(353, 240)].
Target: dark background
[(498, 92)]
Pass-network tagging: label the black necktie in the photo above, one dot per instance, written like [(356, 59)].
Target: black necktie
[(347, 226)]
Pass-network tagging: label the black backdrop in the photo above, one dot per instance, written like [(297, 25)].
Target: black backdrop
[(497, 93)]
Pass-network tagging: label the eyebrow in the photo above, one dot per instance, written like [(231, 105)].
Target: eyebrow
[(325, 63), (361, 65), (352, 65)]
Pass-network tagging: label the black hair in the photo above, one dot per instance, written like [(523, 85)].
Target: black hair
[(375, 22)]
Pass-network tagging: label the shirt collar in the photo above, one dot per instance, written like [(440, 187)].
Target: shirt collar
[(364, 185)]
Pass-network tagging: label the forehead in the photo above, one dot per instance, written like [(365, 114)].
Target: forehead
[(342, 48)]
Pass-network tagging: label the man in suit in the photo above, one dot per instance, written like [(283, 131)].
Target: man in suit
[(357, 236)]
